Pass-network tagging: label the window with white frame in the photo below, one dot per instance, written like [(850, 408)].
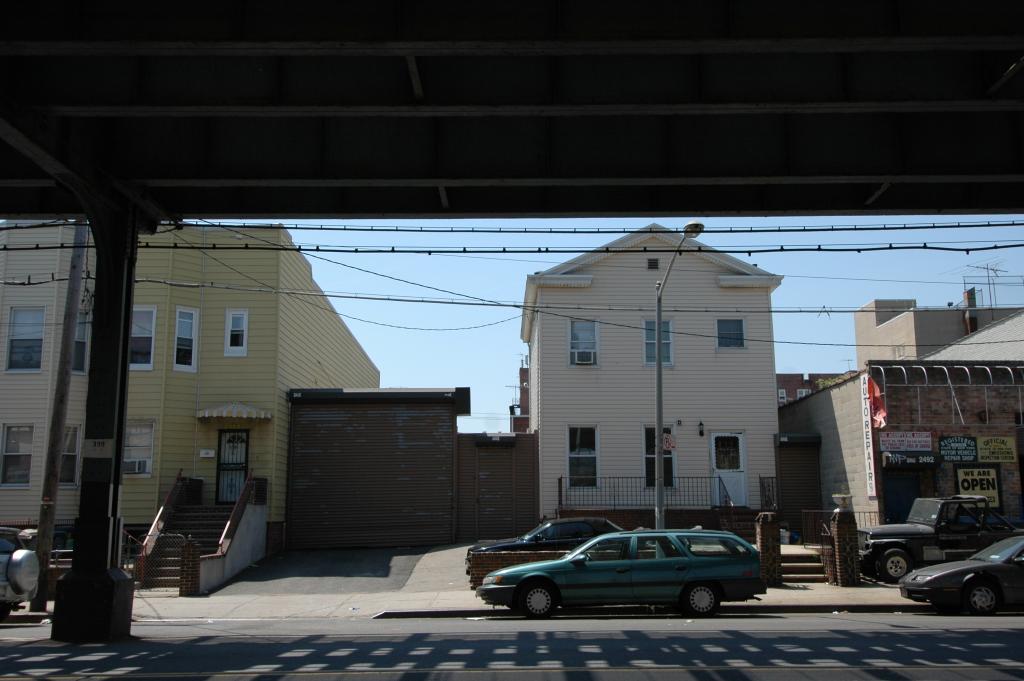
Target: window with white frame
[(802, 392), (69, 456), (236, 333), (17, 455), (582, 456), (81, 349), (143, 323), (730, 333), (186, 327), (651, 343), (582, 342), (25, 340), (783, 397), (650, 458), (138, 448)]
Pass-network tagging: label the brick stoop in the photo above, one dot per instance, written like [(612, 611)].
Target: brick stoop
[(802, 568), (203, 524)]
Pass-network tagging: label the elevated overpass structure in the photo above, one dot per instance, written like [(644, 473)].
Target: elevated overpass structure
[(132, 113)]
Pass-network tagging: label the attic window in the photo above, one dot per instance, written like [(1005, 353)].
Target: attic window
[(652, 263)]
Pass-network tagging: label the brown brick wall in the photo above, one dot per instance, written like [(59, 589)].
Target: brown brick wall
[(189, 585), (770, 549), (847, 559), (482, 563), (275, 537)]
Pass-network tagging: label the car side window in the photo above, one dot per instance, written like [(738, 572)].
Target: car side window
[(653, 548), (712, 546), (574, 531), (613, 548)]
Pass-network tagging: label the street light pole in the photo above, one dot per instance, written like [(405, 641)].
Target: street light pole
[(691, 230)]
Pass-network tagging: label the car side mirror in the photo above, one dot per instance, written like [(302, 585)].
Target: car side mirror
[(579, 560)]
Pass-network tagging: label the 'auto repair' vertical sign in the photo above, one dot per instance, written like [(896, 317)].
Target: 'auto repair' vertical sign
[(869, 447)]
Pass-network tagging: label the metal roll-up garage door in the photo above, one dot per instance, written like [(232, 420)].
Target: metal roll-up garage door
[(377, 474), (799, 481)]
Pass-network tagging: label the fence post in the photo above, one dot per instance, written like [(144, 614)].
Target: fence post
[(844, 537), (189, 581), (559, 492), (769, 545)]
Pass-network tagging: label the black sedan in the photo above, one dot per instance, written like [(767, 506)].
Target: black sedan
[(562, 534), (982, 584)]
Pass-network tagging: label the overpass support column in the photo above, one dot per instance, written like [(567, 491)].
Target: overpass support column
[(94, 600)]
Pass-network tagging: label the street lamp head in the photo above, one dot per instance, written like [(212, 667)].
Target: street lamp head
[(693, 229)]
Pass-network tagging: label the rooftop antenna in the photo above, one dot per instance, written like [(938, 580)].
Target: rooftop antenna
[(990, 270)]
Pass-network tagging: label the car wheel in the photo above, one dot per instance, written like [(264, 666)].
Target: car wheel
[(981, 597), (536, 600), (893, 564), (700, 600), (5, 610)]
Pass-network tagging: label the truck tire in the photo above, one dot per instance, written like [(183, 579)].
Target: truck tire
[(5, 610), (893, 564)]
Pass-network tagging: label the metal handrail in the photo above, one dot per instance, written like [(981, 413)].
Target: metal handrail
[(236, 516), (163, 515), (638, 492)]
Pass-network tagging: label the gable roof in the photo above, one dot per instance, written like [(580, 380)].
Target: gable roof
[(1002, 340), (567, 273)]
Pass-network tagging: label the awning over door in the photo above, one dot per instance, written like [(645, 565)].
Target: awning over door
[(234, 410)]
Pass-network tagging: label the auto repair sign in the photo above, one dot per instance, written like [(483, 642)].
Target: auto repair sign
[(980, 481)]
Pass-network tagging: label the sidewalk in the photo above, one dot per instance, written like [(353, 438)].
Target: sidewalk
[(438, 587)]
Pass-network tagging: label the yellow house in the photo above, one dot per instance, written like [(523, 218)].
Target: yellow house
[(218, 339)]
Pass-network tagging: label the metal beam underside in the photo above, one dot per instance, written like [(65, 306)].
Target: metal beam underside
[(452, 107)]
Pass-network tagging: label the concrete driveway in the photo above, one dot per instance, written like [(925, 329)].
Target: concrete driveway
[(348, 571)]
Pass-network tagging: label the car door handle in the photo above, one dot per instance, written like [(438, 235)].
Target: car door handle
[(621, 570)]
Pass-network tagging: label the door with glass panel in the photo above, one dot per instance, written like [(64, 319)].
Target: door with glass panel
[(232, 464), (728, 465)]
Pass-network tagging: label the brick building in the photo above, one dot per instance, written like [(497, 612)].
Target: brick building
[(941, 427)]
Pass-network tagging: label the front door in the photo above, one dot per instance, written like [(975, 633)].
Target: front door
[(232, 464), (899, 491), (603, 577), (727, 465)]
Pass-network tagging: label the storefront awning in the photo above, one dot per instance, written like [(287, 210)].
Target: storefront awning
[(234, 410)]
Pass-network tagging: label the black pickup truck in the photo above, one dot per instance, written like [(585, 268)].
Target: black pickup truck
[(937, 530)]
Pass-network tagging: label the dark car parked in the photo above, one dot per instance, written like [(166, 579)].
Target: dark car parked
[(982, 584), (562, 534)]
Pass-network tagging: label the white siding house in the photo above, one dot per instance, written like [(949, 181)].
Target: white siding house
[(590, 326)]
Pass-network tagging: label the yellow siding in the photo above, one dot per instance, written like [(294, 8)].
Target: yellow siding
[(290, 344), (321, 353)]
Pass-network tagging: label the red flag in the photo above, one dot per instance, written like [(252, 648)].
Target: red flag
[(878, 412)]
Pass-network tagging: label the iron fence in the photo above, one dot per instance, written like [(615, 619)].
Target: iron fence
[(638, 492), (815, 525)]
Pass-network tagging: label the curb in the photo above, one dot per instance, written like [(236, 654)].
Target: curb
[(727, 609)]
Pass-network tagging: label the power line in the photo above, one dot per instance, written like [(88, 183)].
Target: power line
[(947, 247)]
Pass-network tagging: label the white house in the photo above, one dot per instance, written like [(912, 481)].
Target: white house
[(589, 323)]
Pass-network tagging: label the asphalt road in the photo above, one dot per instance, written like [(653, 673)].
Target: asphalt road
[(834, 647)]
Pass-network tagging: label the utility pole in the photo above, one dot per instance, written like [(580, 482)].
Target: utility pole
[(58, 417)]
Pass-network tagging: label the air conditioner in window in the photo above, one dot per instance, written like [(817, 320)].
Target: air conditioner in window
[(583, 357), (135, 466)]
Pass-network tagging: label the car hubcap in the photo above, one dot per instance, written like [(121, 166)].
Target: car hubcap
[(538, 601), (897, 567), (702, 599), (982, 598)]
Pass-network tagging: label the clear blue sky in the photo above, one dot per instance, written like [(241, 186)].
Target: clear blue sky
[(487, 359)]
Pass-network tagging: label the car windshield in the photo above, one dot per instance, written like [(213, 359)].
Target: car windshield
[(1000, 551), (582, 547), (537, 530), (924, 511)]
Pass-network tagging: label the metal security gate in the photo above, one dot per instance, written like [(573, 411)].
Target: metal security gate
[(498, 488), (232, 464), (371, 474)]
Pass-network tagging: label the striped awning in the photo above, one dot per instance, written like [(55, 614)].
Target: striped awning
[(234, 410)]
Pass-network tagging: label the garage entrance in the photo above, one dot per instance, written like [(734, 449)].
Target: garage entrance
[(372, 468)]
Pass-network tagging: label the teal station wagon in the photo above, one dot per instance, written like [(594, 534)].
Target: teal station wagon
[(694, 569)]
